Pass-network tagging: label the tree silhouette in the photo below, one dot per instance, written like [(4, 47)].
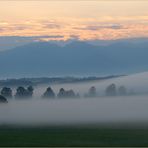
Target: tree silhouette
[(30, 91), (66, 94), (111, 90), (61, 93), (92, 92), (21, 92), (3, 99), (70, 94), (6, 92), (49, 93)]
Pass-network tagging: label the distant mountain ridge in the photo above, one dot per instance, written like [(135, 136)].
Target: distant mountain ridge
[(9, 42), (51, 81), (75, 58)]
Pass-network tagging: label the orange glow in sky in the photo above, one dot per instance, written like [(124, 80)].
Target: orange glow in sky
[(85, 20)]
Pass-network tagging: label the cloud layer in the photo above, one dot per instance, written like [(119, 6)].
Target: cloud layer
[(104, 28)]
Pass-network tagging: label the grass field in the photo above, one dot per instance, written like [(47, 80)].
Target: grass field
[(73, 136)]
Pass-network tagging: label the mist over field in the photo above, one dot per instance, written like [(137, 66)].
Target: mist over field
[(63, 111), (73, 73)]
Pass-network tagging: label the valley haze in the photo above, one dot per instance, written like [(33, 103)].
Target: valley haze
[(130, 109)]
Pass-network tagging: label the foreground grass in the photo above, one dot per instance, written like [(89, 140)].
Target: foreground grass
[(73, 136)]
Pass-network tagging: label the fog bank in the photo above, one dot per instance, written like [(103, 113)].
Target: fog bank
[(82, 110), (71, 111)]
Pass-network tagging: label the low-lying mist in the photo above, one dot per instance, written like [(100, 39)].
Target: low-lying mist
[(63, 111), (74, 111)]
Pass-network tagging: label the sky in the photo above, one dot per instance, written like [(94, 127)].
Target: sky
[(83, 20)]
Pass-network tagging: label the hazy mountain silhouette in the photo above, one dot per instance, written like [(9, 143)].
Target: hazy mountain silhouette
[(76, 58)]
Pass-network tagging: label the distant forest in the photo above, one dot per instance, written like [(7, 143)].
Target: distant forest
[(45, 80)]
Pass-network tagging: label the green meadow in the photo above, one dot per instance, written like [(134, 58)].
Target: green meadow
[(73, 136)]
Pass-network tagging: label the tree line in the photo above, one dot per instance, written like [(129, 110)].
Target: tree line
[(22, 92)]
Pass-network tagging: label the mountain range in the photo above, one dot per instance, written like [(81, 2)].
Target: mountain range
[(75, 58)]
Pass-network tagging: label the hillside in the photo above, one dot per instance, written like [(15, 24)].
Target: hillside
[(76, 58)]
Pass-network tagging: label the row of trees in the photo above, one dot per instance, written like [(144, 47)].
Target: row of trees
[(49, 93), (22, 92), (112, 90)]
